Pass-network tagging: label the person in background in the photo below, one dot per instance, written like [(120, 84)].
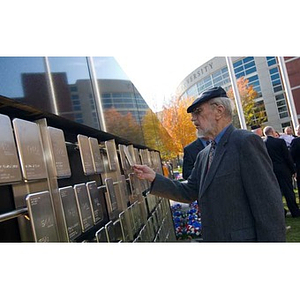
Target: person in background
[(257, 130), (277, 134), (288, 136), (190, 153), (283, 167), (295, 152), (232, 179)]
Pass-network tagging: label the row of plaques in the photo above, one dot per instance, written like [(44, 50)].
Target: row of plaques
[(27, 143), (122, 229), (31, 162), (82, 208), (129, 226), (91, 157), (158, 227)]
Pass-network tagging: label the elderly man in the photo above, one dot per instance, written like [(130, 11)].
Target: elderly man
[(257, 130), (233, 180), (288, 136)]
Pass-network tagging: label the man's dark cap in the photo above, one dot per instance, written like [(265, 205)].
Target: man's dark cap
[(207, 95), (253, 127)]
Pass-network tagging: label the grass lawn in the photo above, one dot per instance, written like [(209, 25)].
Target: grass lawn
[(292, 233)]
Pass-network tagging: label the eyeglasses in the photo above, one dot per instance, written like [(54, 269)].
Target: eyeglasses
[(197, 111)]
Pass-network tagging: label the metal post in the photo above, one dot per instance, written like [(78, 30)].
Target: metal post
[(289, 94), (236, 93), (96, 93), (54, 105)]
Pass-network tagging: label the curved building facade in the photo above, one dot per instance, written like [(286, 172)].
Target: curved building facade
[(263, 73)]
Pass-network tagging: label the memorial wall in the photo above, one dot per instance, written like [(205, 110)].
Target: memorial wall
[(61, 181)]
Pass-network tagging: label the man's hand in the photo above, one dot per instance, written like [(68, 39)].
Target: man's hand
[(144, 172)]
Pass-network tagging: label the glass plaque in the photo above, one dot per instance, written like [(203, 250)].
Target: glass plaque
[(30, 149), (111, 194), (101, 235), (128, 156), (135, 217), (133, 225), (150, 228), (9, 163), (62, 165), (123, 217), (125, 188), (118, 231), (137, 210), (124, 161), (110, 232), (145, 157), (134, 184), (94, 197), (137, 156), (96, 156), (111, 154), (84, 207), (85, 154), (42, 217), (70, 212)]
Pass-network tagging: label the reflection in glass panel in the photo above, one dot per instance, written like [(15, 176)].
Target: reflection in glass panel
[(73, 90), (24, 79), (63, 85), (123, 106)]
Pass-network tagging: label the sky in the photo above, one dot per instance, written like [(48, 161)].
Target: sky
[(158, 79)]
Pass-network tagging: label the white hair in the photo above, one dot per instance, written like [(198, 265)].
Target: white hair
[(226, 102)]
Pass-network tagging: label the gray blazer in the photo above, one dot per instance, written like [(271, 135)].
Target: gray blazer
[(239, 198)]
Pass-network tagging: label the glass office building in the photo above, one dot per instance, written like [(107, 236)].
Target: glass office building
[(93, 91), (263, 74)]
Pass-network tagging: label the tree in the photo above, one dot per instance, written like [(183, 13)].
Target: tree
[(157, 137), (253, 112), (178, 123), (124, 126)]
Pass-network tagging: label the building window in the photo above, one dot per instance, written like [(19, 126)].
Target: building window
[(286, 124), (244, 67), (271, 60), (78, 115), (204, 84), (73, 88), (279, 94), (76, 107)]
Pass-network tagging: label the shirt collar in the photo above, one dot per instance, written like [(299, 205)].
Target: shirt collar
[(219, 136)]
